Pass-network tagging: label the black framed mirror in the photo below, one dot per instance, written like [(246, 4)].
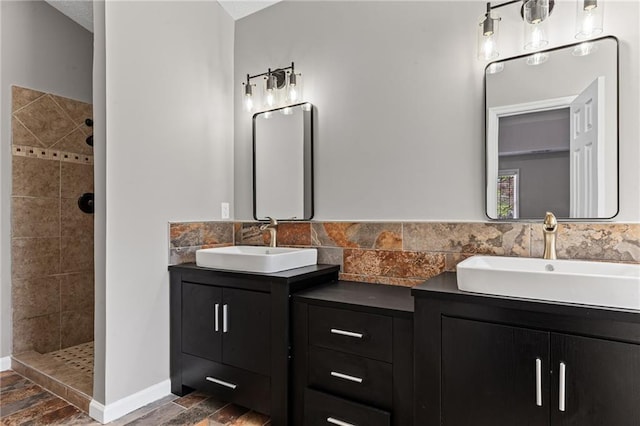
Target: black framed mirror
[(283, 163), (551, 133)]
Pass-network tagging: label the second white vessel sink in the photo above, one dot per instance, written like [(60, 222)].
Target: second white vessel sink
[(256, 258), (592, 283)]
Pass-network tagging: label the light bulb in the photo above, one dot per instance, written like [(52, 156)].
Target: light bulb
[(537, 58), (535, 36), (270, 98), (248, 103), (488, 27), (589, 18)]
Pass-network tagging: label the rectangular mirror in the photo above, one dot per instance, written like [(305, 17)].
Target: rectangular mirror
[(552, 133), (283, 163)]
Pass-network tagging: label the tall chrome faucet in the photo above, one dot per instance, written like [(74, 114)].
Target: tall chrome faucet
[(550, 230), (272, 227)]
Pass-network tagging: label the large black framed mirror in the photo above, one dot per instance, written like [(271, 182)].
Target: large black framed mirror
[(283, 163), (552, 133)]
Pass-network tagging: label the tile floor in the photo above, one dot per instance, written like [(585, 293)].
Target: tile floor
[(22, 402)]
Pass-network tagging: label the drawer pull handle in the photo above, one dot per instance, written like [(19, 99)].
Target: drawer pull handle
[(563, 386), (346, 377), (225, 318), (216, 314), (538, 382), (221, 382), (337, 422), (346, 333)]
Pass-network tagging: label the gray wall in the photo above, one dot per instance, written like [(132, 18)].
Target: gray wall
[(44, 50), (399, 96), (168, 157)]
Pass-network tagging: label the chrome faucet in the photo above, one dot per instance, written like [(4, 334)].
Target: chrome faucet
[(550, 230), (272, 227)]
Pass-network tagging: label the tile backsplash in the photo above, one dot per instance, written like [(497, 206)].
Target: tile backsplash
[(407, 253)]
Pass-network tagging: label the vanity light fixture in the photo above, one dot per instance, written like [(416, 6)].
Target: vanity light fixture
[(589, 18), (533, 12), (276, 82)]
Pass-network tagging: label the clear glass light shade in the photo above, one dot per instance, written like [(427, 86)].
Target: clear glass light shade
[(271, 95), (488, 32), (294, 88), (535, 35), (589, 18), (537, 58), (584, 49), (535, 11), (248, 103)]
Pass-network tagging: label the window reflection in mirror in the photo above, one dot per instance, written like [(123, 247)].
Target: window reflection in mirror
[(283, 163), (552, 135)]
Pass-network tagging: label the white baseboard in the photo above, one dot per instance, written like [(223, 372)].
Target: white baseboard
[(5, 363), (115, 410)]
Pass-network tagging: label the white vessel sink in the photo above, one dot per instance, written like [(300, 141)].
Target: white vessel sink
[(256, 259), (574, 281)]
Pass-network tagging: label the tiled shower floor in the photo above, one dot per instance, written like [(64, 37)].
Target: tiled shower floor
[(67, 373)]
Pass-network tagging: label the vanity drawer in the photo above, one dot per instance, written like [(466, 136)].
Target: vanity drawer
[(228, 383), (358, 333), (321, 409), (351, 376)]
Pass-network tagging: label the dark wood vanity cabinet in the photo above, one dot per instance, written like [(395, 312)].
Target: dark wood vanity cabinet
[(489, 360), (353, 357), (230, 333)]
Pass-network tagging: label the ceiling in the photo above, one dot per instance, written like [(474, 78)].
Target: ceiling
[(81, 11)]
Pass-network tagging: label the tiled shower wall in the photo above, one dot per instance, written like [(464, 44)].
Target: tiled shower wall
[(407, 253), (52, 240)]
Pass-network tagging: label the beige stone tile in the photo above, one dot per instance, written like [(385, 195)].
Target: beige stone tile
[(35, 297), (619, 242), (505, 239), (180, 255), (35, 257), (21, 136), (371, 235), (76, 254), (35, 177), (330, 256), (215, 233), (46, 120), (35, 217), (77, 291), (22, 96), (74, 223), (76, 179), (41, 334), (75, 142), (76, 327), (76, 110)]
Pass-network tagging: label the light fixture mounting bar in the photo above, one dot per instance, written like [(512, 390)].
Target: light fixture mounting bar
[(270, 71), (497, 6)]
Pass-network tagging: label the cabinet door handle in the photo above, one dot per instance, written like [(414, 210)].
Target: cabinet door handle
[(216, 314), (538, 382), (225, 318), (563, 386), (346, 333), (221, 382), (337, 422), (346, 377)]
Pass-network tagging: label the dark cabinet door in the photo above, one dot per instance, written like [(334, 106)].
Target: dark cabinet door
[(493, 374), (247, 330), (601, 382), (201, 329)]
